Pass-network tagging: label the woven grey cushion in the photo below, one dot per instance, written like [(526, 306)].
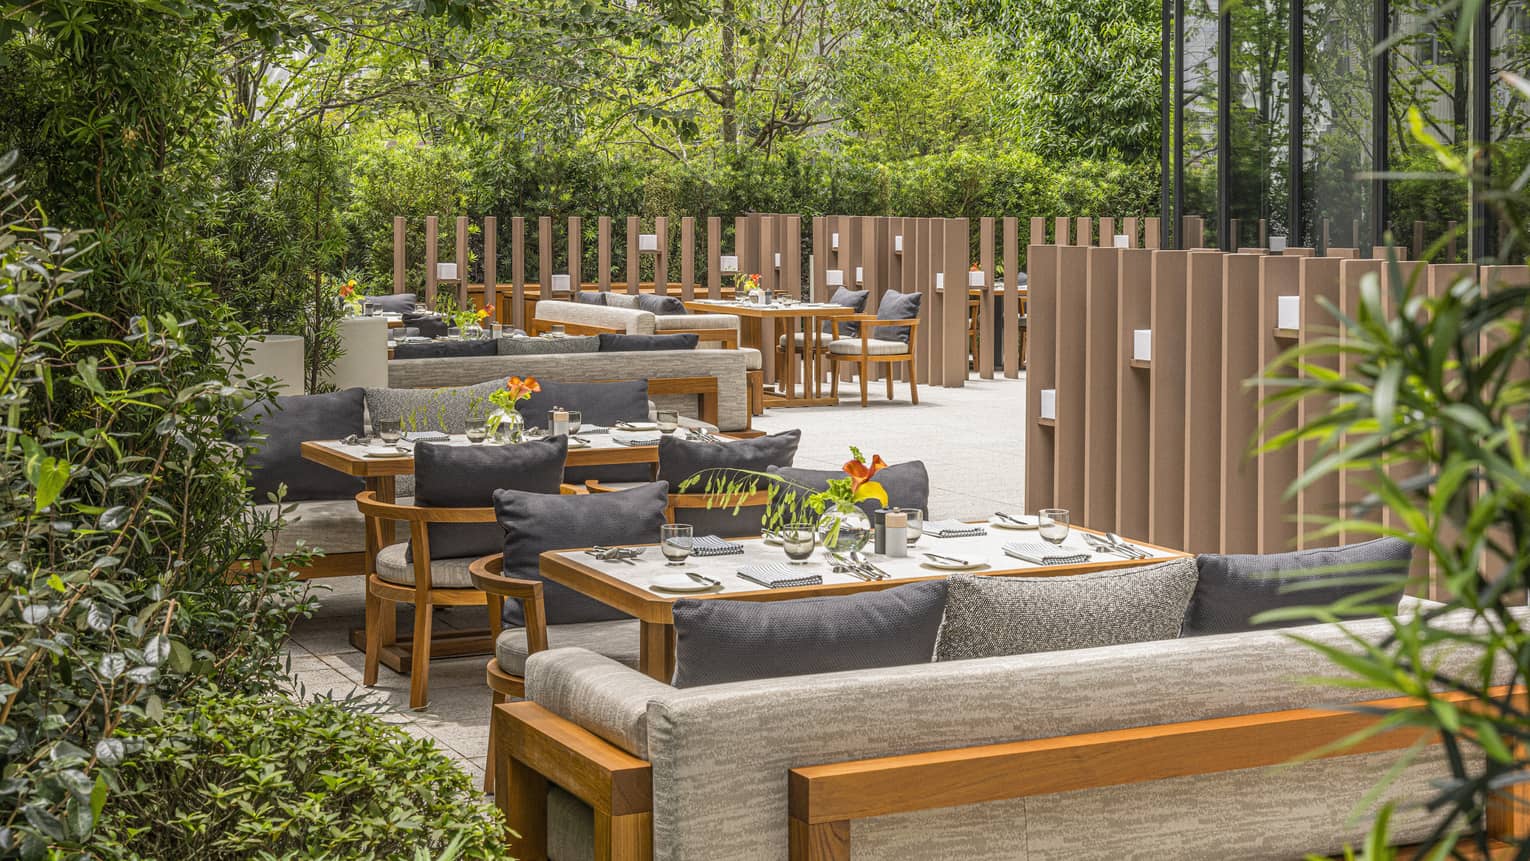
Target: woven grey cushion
[(602, 404), (548, 346), (622, 300), (654, 304), (897, 306), (855, 300), (444, 573), (394, 303), (446, 349), (874, 347), (590, 297), (646, 343), (617, 639), (287, 423), (991, 616), (444, 409), (466, 476), (1233, 589), (429, 325), (720, 641)]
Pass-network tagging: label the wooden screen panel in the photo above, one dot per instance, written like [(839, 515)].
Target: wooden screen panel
[(1320, 283), (1278, 276), (687, 258), (460, 255), (545, 255), (1069, 376), (400, 252), (986, 329), (1355, 485), (1061, 230), (603, 252), (432, 257), (714, 257), (661, 260), (518, 272), (1203, 403), (1133, 395), (1152, 233), (821, 263), (1107, 235), (1011, 298), (1038, 234), (491, 268), (634, 258), (791, 254), (924, 282), (575, 253), (1129, 227), (1102, 326), (1040, 434), (1083, 231), (1240, 403), (1166, 468), (955, 253)]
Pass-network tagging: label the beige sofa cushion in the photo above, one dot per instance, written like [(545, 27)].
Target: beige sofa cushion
[(631, 321), (444, 573), (617, 639)]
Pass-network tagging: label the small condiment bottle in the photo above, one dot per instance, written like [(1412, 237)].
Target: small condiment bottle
[(895, 530), (879, 531), (557, 421)]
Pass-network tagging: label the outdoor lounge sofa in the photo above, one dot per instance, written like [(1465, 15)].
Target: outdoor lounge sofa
[(1149, 750)]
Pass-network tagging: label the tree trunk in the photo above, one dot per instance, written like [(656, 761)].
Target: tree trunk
[(730, 73)]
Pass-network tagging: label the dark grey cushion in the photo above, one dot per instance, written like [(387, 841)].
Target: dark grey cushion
[(679, 459), (897, 306), (535, 523), (591, 297), (663, 305), (646, 343), (548, 346), (852, 299), (718, 641), (907, 485), (991, 616), (443, 409), (598, 403), (466, 476), (1233, 589), (428, 325), (287, 424), (446, 349), (394, 303)]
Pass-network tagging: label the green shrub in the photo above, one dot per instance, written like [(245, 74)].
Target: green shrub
[(238, 776)]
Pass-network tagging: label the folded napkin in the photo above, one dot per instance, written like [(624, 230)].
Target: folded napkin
[(1037, 553), (712, 545), (778, 576), (426, 436), (953, 529)]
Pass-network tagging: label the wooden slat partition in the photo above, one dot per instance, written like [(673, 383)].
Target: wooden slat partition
[(603, 252), (1166, 468), (1278, 276), (984, 358), (1133, 388), (1102, 304), (1203, 399), (1069, 375), (1352, 274), (634, 259), (491, 267), (432, 256), (1011, 298), (1320, 283), (687, 258), (1040, 433), (661, 260), (460, 249), (714, 258), (955, 252), (544, 255), (400, 252), (1239, 403), (518, 273), (575, 253)]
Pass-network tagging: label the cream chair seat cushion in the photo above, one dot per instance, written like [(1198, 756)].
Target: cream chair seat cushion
[(617, 640), (444, 573), (753, 361), (874, 347)]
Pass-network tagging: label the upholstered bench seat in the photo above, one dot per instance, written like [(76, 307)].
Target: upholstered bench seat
[(753, 360), (444, 573), (332, 525), (874, 347), (617, 640)]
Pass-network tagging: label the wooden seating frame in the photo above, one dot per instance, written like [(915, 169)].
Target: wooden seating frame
[(865, 361)]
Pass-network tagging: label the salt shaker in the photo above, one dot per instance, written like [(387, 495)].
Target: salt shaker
[(895, 532), (879, 531), (557, 421)]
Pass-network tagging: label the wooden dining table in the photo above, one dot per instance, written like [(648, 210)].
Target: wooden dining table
[(808, 316), (628, 587)]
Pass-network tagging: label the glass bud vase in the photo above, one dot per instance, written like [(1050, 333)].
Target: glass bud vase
[(472, 332), (511, 427), (844, 530)]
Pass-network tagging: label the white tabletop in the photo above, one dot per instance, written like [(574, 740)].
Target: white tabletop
[(600, 438)]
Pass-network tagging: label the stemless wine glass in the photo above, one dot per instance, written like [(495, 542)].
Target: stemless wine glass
[(389, 430), (668, 420), (675, 540), (575, 421), (477, 428), (1053, 524), (798, 540), (915, 523)]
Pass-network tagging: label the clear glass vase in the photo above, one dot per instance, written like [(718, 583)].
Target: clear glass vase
[(844, 530), (472, 332), (511, 427)]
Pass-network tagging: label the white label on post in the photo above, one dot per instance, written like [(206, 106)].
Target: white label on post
[(1142, 345), (1049, 404), (728, 263), (1278, 244), (560, 284), (898, 243), (834, 241), (1122, 240), (834, 277), (1288, 312), (446, 272), (860, 275), (975, 279), (940, 280), (648, 242)]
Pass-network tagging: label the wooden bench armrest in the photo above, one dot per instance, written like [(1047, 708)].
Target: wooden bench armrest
[(371, 506)]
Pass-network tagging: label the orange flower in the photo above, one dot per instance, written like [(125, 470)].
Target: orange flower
[(861, 485), (485, 311), (975, 267), (520, 388), (347, 289)]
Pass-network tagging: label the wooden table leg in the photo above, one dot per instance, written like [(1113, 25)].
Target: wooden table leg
[(656, 653), (810, 357), (789, 385)]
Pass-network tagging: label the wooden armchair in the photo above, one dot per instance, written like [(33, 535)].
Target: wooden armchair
[(488, 577), (864, 351)]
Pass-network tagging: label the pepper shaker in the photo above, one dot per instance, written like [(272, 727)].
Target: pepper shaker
[(895, 529)]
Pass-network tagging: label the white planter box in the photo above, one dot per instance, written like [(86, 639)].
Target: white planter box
[(1122, 240), (1048, 404), (898, 243), (834, 278), (364, 358), (976, 279), (279, 356), (446, 272), (1142, 345), (860, 275), (1288, 312), (561, 284), (1277, 245), (727, 264), (834, 241), (648, 242)]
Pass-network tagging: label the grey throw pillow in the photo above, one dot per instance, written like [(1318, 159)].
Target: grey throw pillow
[(598, 403), (548, 346), (679, 459), (446, 349), (660, 305), (907, 485), (466, 476), (287, 424), (622, 300), (443, 409), (855, 300), (719, 641), (1233, 589), (646, 343), (591, 297), (394, 303), (896, 306), (535, 523), (991, 616), (427, 325)]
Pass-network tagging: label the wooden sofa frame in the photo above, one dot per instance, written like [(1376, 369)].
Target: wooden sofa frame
[(538, 747)]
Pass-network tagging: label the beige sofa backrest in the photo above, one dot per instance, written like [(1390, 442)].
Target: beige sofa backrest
[(721, 754), (631, 321)]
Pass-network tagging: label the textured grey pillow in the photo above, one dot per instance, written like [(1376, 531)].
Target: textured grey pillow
[(907, 485), (466, 476), (535, 523), (446, 349), (394, 303), (990, 616), (590, 297), (665, 305), (548, 346), (293, 419), (598, 403), (428, 325), (646, 343), (855, 300), (897, 306), (444, 409), (680, 459), (718, 641), (622, 300), (1233, 589)]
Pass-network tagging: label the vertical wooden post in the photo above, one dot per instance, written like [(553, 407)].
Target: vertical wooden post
[(791, 254), (1241, 338), (986, 329), (1102, 306), (634, 257), (1061, 231), (400, 252), (1107, 237), (1133, 390), (1318, 284), (1084, 231), (491, 268), (1278, 276), (461, 252), (1129, 227), (926, 247), (545, 255), (432, 256), (1011, 297), (714, 257), (1152, 233), (1166, 468), (661, 260), (518, 316), (1418, 240), (744, 246), (821, 233), (957, 254), (1204, 411), (603, 252), (1038, 232), (1068, 376), (576, 253), (1041, 368), (687, 258)]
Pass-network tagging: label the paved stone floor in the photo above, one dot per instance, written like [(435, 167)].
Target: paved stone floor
[(971, 439)]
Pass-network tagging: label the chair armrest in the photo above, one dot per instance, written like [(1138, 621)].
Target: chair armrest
[(572, 489), (370, 506), (487, 577)]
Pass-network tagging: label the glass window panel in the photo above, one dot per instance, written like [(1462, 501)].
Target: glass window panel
[(1510, 27), (1200, 115), (1260, 122), (1336, 124)]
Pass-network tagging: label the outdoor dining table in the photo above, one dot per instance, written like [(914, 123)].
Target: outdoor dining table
[(628, 587), (807, 315)]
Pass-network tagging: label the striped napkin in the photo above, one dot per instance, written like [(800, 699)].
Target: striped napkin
[(778, 576), (953, 529), (712, 545), (1037, 553)]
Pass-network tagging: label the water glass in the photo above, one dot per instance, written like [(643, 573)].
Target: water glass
[(575, 421), (389, 430), (557, 331), (1053, 524), (477, 428), (668, 420), (915, 522), (497, 330), (798, 540), (675, 541)]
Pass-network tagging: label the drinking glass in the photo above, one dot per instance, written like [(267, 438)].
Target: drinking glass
[(915, 522), (389, 430), (497, 330), (668, 420), (1053, 523), (798, 540), (477, 428), (557, 331), (421, 308), (575, 421), (675, 540)]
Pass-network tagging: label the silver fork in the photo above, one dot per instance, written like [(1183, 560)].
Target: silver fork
[(860, 559)]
